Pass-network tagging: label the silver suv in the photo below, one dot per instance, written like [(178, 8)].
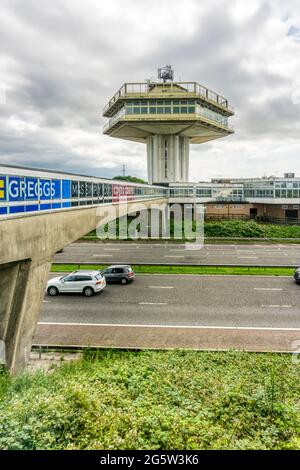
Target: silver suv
[(83, 281), (122, 273)]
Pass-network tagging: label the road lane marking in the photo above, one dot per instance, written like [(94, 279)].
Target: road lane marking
[(102, 256), (112, 249), (247, 257), (153, 303), (276, 306), (267, 288), (173, 256), (274, 255), (199, 327), (161, 287)]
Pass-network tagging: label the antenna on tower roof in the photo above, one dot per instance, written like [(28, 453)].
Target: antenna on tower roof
[(166, 73)]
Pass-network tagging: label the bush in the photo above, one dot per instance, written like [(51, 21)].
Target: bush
[(249, 229), (156, 400)]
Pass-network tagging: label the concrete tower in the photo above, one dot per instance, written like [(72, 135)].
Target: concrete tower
[(167, 116)]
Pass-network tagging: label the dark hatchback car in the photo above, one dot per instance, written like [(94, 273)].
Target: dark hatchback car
[(297, 275), (122, 273)]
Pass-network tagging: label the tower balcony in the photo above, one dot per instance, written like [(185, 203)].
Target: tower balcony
[(168, 91), (182, 117)]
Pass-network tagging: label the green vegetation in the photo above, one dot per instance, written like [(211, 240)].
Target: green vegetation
[(131, 179), (232, 229), (170, 269), (155, 400), (250, 229)]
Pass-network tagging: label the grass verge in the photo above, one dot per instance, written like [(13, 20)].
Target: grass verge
[(241, 270), (155, 400)]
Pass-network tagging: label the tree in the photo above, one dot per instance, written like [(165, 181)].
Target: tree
[(131, 179)]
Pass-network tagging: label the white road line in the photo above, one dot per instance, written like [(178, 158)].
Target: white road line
[(273, 253), (266, 288), (46, 301), (223, 254), (276, 306), (133, 248), (102, 256), (198, 327), (173, 256), (112, 249), (161, 287), (153, 303), (247, 257)]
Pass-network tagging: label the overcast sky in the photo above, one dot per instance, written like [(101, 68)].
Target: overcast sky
[(61, 61)]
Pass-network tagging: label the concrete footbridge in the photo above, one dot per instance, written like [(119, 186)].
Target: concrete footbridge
[(40, 213)]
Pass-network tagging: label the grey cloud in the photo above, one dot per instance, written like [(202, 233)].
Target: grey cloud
[(295, 32), (67, 60)]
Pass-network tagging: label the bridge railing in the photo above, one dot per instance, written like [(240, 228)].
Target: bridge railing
[(24, 190)]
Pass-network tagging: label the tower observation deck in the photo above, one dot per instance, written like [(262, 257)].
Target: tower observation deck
[(167, 116)]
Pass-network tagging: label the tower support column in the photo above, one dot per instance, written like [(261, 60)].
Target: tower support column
[(168, 158)]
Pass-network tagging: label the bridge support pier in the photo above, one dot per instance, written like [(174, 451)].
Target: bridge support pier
[(22, 287)]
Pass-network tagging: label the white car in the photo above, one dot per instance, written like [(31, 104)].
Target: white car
[(83, 281)]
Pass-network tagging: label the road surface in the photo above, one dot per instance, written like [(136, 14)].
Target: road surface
[(288, 255), (201, 312)]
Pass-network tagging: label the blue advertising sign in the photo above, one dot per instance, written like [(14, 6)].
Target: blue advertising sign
[(66, 189), (2, 188), (30, 194), (32, 189), (45, 189), (16, 188), (55, 189)]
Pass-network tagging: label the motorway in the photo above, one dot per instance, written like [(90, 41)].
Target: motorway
[(170, 253), (201, 312)]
